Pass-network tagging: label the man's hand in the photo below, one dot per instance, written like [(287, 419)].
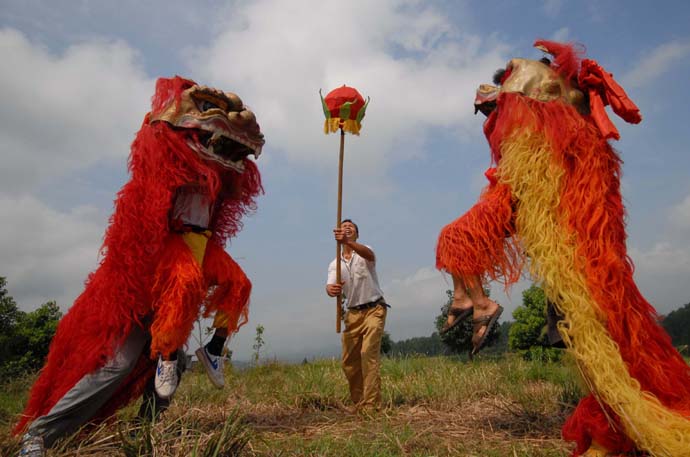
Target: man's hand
[(334, 290), (341, 236)]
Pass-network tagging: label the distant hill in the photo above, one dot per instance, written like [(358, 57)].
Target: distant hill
[(677, 324)]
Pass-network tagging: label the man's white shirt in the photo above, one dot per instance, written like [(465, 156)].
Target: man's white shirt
[(359, 275)]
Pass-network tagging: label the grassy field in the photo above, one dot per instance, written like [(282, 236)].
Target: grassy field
[(433, 406)]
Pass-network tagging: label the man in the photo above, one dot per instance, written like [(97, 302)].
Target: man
[(365, 316)]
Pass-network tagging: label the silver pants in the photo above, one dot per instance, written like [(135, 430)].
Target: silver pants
[(82, 401)]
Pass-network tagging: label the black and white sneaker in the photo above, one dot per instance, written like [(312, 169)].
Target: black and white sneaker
[(32, 446), (213, 365), (166, 378)]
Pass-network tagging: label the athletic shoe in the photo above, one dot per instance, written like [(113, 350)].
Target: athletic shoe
[(32, 446), (166, 378), (213, 365)]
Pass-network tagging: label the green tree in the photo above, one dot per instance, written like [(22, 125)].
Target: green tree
[(386, 343), (24, 337), (9, 313), (420, 345), (677, 324), (459, 339), (528, 333), (9, 318)]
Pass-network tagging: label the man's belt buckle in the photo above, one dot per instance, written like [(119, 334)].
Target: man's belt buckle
[(371, 304)]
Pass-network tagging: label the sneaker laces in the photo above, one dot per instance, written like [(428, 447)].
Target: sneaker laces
[(167, 372)]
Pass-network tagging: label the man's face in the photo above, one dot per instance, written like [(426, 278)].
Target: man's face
[(350, 230)]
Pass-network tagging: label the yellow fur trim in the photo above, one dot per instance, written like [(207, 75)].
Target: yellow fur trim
[(527, 167), (221, 320), (197, 244), (333, 124)]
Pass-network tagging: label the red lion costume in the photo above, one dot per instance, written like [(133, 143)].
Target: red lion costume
[(554, 199), (148, 275)]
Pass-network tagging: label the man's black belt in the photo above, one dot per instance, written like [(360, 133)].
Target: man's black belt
[(371, 304)]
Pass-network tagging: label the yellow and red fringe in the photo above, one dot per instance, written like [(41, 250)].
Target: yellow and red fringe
[(334, 124), (574, 235)]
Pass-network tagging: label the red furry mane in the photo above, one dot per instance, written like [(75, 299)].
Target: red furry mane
[(566, 57), (168, 89)]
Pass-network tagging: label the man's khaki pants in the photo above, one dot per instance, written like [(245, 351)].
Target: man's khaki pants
[(362, 354)]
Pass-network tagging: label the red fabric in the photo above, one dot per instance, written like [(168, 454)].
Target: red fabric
[(491, 175), (338, 97), (590, 423), (604, 90), (136, 248)]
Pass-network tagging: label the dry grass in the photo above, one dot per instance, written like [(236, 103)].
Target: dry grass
[(432, 407)]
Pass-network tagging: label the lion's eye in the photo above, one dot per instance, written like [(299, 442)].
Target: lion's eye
[(205, 105)]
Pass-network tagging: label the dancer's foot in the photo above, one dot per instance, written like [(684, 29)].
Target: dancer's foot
[(166, 378), (213, 364), (32, 446), (459, 310), (486, 313)]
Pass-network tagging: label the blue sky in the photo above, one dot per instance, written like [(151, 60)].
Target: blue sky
[(78, 75)]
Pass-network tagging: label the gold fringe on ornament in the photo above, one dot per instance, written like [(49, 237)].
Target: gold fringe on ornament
[(334, 124)]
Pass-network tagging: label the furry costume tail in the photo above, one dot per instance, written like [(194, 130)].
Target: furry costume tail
[(570, 219)]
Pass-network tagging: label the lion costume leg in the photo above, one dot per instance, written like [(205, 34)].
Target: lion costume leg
[(230, 297), (478, 242), (180, 287)]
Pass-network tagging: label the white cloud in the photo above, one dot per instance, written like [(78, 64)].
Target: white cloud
[(680, 215), (421, 289), (416, 301), (657, 62), (412, 62), (552, 7), (47, 254), (562, 35), (63, 113), (662, 272)]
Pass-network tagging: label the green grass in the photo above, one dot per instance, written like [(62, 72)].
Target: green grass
[(432, 406)]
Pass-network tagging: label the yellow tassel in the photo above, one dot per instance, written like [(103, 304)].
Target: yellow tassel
[(536, 181), (334, 124)]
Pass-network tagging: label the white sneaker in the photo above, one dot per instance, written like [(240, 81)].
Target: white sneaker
[(32, 446), (213, 365), (166, 378)]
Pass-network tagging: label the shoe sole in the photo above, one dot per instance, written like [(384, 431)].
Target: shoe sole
[(201, 355), (459, 318), (492, 321)]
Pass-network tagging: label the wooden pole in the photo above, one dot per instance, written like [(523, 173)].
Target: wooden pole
[(339, 298)]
